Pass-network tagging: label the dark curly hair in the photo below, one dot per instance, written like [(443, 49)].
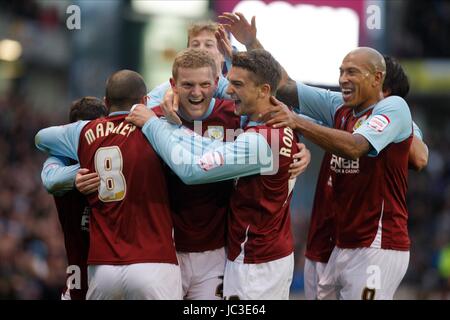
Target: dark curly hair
[(396, 82), (262, 64)]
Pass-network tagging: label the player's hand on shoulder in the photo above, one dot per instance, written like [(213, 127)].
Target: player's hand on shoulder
[(139, 115), (279, 115), (301, 161), (86, 182), (170, 106)]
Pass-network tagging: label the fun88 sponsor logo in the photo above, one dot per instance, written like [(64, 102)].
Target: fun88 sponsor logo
[(341, 165)]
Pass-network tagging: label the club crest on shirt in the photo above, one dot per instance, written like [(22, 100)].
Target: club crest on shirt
[(216, 132), (379, 122), (359, 122)]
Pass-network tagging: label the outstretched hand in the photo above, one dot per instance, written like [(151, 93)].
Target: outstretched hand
[(139, 115), (240, 28)]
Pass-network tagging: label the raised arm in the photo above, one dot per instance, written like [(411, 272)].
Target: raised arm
[(245, 33), (314, 102), (224, 46), (241, 29)]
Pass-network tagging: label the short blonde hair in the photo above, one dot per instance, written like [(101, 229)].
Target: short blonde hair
[(193, 59), (195, 28)]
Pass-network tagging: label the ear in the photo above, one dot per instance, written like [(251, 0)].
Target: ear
[(145, 99), (173, 85), (378, 78), (264, 90)]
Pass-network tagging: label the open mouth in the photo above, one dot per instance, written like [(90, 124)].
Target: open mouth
[(196, 101), (347, 93), (237, 107)]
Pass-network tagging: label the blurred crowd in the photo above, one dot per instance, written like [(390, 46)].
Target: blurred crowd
[(426, 32), (429, 214), (32, 255)]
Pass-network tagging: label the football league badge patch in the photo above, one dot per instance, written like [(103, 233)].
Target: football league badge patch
[(211, 160), (379, 122)]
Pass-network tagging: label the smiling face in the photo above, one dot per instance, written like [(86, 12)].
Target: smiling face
[(206, 40), (195, 87), (359, 80), (243, 90)]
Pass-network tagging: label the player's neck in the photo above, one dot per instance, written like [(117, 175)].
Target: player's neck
[(259, 110), (369, 102), (118, 108)]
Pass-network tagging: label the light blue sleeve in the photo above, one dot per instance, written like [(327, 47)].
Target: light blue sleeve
[(58, 176), (60, 140), (299, 134), (196, 159), (317, 103), (390, 122), (221, 92), (417, 132), (156, 96)]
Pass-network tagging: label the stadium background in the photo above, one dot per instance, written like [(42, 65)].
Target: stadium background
[(44, 65)]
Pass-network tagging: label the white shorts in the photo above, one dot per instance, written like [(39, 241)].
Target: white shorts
[(363, 274), (258, 281), (313, 272), (139, 281), (202, 274)]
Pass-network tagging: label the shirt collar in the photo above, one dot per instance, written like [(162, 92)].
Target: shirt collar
[(116, 113), (359, 114), (254, 123)]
